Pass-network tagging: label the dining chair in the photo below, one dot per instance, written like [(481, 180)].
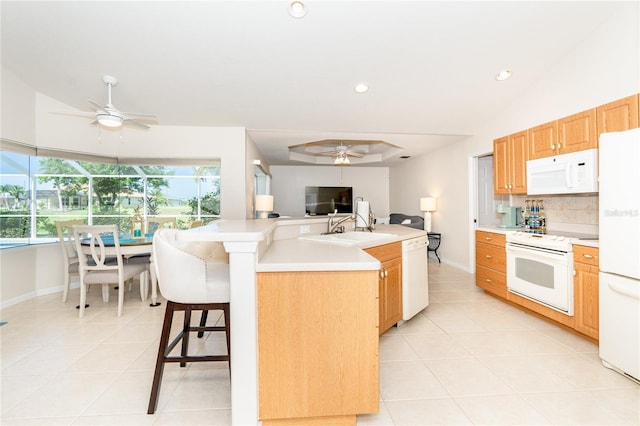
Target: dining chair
[(95, 268), (155, 223), (69, 254), (196, 224), (191, 277)]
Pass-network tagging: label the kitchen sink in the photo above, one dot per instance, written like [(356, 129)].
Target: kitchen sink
[(347, 238)]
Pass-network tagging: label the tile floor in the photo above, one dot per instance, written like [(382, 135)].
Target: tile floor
[(467, 359)]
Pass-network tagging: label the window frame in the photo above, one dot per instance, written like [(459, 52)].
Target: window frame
[(205, 185)]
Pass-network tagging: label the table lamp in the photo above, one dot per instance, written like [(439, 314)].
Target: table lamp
[(264, 205), (427, 205)]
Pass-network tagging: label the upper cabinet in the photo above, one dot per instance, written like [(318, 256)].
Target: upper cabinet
[(577, 132), (569, 134), (510, 155), (543, 140), (618, 115)]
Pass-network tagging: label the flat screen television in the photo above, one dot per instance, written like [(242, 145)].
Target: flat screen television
[(322, 200)]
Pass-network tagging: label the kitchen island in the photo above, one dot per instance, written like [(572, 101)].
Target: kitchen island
[(270, 265)]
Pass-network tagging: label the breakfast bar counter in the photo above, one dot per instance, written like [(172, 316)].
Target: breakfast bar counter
[(268, 253)]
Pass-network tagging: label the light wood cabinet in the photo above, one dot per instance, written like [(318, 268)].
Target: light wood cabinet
[(618, 115), (543, 140), (585, 290), (317, 346), (510, 155), (491, 267), (390, 283), (577, 132)]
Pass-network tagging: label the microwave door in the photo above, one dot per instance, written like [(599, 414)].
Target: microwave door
[(548, 179)]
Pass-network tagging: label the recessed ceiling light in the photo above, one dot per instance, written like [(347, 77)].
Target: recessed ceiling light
[(361, 87), (297, 9), (503, 75)]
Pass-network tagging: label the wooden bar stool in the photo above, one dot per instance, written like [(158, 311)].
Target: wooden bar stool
[(189, 283)]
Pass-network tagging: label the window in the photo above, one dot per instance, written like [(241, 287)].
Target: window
[(36, 191)]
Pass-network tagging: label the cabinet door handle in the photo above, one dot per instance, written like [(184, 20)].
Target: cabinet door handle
[(488, 280), (587, 255), (488, 238), (559, 147), (553, 146), (488, 256)]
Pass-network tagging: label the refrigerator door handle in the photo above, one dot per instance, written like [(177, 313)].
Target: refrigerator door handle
[(623, 291)]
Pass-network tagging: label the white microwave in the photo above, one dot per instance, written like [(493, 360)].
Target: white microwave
[(573, 173)]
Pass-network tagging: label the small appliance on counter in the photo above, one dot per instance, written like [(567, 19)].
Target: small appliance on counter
[(510, 216)]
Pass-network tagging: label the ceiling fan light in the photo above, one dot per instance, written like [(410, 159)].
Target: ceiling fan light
[(109, 120), (342, 159)]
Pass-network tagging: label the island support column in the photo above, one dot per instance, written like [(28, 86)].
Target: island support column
[(244, 335)]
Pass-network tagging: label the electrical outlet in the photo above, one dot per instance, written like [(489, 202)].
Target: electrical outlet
[(305, 229)]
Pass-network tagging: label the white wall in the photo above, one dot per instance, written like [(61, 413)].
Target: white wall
[(603, 68), (30, 271), (252, 153), (17, 109), (371, 183)]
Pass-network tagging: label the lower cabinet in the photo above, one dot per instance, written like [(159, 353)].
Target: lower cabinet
[(585, 290), (389, 283), (317, 347), (491, 276), (491, 266)]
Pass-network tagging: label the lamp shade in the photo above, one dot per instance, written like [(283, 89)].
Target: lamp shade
[(428, 204), (264, 203)]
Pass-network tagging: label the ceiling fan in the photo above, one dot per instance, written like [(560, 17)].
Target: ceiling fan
[(109, 116), (341, 154), (366, 150)]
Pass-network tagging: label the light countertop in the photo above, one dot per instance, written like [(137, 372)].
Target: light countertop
[(293, 254), (302, 255), (575, 237)]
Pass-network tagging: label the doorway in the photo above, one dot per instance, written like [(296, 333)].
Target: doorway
[(485, 198)]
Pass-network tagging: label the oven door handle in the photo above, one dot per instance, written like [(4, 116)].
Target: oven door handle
[(532, 251)]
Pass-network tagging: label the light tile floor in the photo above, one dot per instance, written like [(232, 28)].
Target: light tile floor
[(467, 359)]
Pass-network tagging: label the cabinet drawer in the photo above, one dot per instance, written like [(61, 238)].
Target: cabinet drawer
[(493, 257), (585, 254), (386, 252), (492, 281), (490, 238)]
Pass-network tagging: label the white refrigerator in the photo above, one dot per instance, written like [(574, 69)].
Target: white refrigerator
[(619, 205)]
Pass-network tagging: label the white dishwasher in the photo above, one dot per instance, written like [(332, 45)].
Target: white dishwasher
[(415, 281)]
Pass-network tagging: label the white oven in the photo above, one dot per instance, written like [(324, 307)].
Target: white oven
[(540, 268)]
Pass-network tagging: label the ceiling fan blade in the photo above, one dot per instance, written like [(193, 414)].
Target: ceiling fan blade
[(74, 114), (96, 105), (135, 114), (134, 123), (356, 154), (93, 123)]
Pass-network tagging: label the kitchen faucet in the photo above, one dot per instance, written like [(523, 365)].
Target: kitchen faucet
[(337, 227)]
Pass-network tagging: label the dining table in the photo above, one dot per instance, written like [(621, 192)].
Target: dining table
[(130, 247)]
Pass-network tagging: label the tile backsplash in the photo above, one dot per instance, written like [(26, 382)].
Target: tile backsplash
[(571, 213)]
